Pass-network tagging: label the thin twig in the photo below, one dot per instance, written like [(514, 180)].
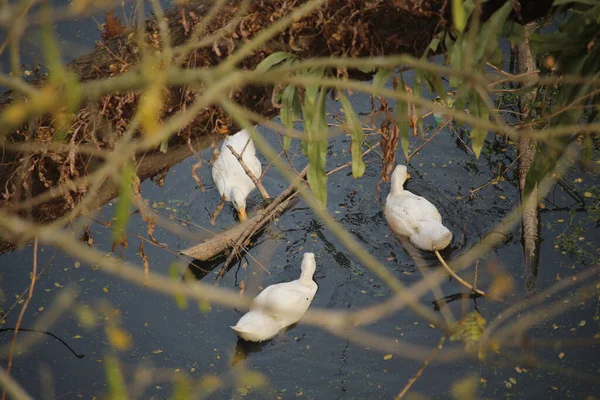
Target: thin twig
[(412, 380), (458, 278), (24, 292), (259, 186), (429, 139)]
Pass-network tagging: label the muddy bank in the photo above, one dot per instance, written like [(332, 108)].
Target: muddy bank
[(338, 28)]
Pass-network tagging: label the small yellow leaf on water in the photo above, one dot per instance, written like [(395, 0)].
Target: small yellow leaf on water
[(77, 337), (157, 351), (387, 357), (119, 339), (542, 205), (561, 355), (105, 289), (582, 323), (587, 194)]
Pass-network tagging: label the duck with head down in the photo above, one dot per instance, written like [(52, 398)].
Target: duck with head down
[(414, 216), (229, 176)]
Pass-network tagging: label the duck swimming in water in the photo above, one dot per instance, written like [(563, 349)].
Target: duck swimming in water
[(414, 216)]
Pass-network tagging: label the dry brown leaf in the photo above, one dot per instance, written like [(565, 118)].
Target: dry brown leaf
[(144, 258), (112, 27), (197, 166)]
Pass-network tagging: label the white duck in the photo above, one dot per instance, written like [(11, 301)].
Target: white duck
[(414, 216), (279, 305), (229, 176)]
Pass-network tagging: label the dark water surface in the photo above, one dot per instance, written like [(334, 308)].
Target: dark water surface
[(305, 361)]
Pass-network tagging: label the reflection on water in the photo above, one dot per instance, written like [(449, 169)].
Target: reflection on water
[(198, 269), (438, 304), (244, 348)]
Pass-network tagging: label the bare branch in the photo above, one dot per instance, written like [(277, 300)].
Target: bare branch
[(257, 183)]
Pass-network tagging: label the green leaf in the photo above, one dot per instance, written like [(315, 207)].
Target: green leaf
[(310, 95), (122, 211), (435, 82), (114, 379), (381, 77), (182, 388), (478, 135), (402, 120), (289, 112), (317, 150), (463, 95), (497, 58), (357, 135), (459, 18), (514, 32), (164, 146), (272, 60), (457, 56), (180, 299), (434, 44), (418, 92), (490, 30), (50, 49)]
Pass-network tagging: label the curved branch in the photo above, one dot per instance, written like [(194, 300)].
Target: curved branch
[(458, 278)]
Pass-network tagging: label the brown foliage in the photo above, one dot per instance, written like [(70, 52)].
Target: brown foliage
[(112, 27), (339, 28)]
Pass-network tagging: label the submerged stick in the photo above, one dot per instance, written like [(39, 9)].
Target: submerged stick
[(78, 355), (458, 278)]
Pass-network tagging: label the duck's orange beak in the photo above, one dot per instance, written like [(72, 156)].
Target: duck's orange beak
[(242, 215)]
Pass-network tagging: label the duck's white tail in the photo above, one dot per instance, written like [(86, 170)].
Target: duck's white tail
[(256, 326)]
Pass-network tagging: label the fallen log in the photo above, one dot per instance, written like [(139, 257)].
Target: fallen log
[(238, 235)]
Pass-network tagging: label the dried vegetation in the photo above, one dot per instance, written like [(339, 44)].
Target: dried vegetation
[(339, 28)]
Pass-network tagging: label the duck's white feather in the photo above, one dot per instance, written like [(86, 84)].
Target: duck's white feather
[(227, 172), (414, 216), (279, 305)]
